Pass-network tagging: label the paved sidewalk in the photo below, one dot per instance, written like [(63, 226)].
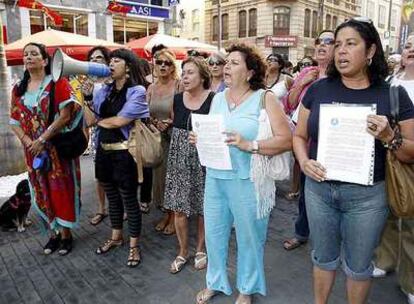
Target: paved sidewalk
[(27, 276)]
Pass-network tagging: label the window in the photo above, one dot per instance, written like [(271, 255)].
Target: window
[(281, 21), (252, 22), (334, 22), (371, 9), (128, 29), (242, 24), (314, 24), (328, 22), (76, 23), (215, 28), (225, 26), (195, 20), (394, 22), (382, 11), (306, 31), (337, 2)]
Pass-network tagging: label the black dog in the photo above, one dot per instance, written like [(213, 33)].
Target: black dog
[(14, 211)]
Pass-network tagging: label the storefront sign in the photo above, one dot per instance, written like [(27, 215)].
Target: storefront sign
[(146, 10), (281, 41)]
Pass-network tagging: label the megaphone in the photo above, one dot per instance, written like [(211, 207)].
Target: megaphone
[(63, 65)]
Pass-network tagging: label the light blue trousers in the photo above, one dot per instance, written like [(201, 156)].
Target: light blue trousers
[(227, 201)]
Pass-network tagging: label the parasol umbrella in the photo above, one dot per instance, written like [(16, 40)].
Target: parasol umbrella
[(142, 47), (76, 46)]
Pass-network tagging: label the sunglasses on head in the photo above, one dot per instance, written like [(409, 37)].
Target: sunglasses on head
[(163, 62), (272, 59), (326, 41), (213, 62), (361, 19)]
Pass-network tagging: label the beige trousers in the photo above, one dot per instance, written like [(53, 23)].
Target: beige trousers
[(396, 251)]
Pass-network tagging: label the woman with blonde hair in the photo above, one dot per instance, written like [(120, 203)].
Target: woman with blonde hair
[(160, 98)]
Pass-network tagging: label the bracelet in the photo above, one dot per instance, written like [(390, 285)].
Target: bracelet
[(395, 143)]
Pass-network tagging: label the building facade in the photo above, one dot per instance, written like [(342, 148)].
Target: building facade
[(191, 20), (386, 16), (90, 18), (287, 27)]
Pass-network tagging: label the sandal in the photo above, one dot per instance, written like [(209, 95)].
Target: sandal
[(178, 264), (65, 246), (108, 245), (144, 207), (205, 295), (52, 245), (97, 218), (160, 226), (293, 243), (169, 229), (200, 260), (292, 196), (244, 299), (134, 258)]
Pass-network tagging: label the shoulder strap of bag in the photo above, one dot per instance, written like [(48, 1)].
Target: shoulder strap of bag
[(394, 104), (138, 152), (263, 99)]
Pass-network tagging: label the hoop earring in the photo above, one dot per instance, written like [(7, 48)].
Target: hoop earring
[(369, 61)]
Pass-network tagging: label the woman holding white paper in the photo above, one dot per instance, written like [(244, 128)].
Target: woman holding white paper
[(348, 215), (230, 195)]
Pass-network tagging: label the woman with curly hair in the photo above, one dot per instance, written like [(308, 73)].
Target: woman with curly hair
[(230, 196)]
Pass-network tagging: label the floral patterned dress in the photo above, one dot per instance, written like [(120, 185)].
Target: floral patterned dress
[(55, 193)]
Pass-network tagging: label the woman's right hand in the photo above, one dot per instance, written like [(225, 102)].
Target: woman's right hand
[(26, 141), (192, 138), (87, 87), (314, 170), (309, 77)]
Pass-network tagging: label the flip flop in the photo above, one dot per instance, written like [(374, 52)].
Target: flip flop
[(144, 207), (293, 243), (97, 218), (203, 296)]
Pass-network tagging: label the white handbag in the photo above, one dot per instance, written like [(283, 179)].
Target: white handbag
[(265, 170)]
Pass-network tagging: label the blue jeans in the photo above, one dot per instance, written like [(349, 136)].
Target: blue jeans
[(348, 218), (228, 201), (301, 223)]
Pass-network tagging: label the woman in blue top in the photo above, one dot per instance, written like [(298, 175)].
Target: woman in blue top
[(230, 196), (117, 105), (347, 217)]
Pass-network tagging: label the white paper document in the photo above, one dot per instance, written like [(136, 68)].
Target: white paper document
[(212, 150), (345, 148)]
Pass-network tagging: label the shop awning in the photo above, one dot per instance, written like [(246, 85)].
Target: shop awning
[(76, 46), (142, 47)]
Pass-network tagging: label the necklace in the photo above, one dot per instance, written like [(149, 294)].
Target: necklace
[(233, 104), (277, 80)]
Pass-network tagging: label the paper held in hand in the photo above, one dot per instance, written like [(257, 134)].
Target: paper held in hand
[(212, 150), (345, 148)]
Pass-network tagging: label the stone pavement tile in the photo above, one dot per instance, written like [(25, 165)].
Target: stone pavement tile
[(84, 277)]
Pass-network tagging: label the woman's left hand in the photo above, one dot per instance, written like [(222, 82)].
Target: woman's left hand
[(379, 127), (36, 147), (235, 139)]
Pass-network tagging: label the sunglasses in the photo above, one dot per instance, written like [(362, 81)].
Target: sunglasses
[(326, 41), (163, 62), (98, 57), (272, 59), (305, 64), (213, 62)]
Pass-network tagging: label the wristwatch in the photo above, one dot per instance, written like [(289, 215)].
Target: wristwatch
[(255, 146)]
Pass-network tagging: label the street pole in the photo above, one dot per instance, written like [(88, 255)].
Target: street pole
[(321, 9), (219, 24), (387, 48)]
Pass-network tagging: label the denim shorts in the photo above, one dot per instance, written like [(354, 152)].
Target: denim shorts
[(345, 220)]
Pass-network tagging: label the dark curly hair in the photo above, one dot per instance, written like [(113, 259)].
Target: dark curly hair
[(136, 76), (203, 69), (21, 88), (254, 62), (378, 70), (104, 50), (282, 63)]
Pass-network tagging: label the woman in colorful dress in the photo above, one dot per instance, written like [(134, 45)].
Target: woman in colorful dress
[(55, 191)]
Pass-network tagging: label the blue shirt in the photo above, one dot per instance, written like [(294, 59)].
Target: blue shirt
[(135, 106), (244, 120)]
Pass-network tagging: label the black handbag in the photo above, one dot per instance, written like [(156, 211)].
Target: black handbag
[(69, 145)]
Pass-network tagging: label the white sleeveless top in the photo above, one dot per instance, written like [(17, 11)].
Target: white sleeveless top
[(280, 89)]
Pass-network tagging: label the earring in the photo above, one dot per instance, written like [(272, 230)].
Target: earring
[(369, 61)]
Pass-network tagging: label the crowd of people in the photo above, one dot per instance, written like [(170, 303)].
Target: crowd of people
[(348, 224)]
